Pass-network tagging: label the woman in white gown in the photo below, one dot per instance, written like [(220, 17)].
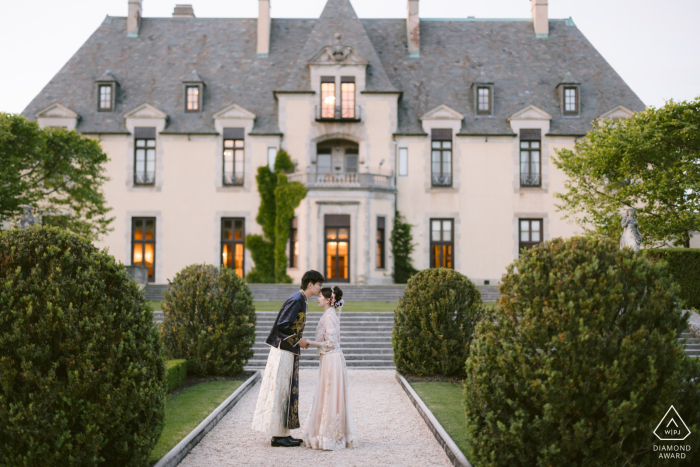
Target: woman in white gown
[(329, 426)]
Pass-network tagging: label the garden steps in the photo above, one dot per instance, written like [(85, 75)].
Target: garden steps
[(365, 340), (355, 293)]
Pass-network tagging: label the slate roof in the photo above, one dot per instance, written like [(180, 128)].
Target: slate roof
[(454, 53)]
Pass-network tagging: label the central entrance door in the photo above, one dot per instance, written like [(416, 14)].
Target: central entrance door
[(337, 241)]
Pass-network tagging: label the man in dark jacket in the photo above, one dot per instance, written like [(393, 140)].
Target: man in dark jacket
[(277, 410)]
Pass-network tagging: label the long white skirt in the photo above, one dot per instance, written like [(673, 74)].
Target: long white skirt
[(271, 411), (329, 425)]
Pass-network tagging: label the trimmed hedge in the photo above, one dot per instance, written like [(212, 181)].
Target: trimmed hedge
[(684, 267), (434, 323), (209, 320), (579, 361), (82, 376), (176, 370)]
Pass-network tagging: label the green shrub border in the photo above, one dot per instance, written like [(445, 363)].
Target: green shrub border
[(176, 371), (684, 266)]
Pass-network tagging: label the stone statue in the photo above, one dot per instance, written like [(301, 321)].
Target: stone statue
[(27, 219), (630, 231)]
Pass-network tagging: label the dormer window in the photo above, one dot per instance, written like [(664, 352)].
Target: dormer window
[(483, 100), (194, 89), (483, 96), (192, 93), (570, 100), (570, 96), (347, 96), (327, 97), (105, 97), (106, 92)]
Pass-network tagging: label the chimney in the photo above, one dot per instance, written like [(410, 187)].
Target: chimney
[(264, 28), (133, 21), (413, 29), (183, 11), (540, 17)]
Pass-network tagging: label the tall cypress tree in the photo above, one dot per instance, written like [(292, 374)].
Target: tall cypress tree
[(401, 248), (278, 200)]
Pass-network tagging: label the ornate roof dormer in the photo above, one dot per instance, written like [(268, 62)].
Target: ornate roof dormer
[(338, 54)]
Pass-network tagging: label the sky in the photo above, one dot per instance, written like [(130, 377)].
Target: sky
[(653, 45)]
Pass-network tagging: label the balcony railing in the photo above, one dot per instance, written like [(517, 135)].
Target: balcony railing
[(145, 178), (442, 179), (344, 180), (336, 114), (232, 179), (530, 179)]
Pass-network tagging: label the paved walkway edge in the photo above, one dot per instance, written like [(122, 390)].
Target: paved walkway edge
[(176, 454), (455, 454)]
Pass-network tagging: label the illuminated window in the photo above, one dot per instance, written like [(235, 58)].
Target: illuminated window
[(381, 242), (234, 156), (347, 96), (192, 98), (530, 233), (327, 97), (105, 97), (441, 243), (293, 244), (233, 244), (143, 241), (145, 156), (337, 248)]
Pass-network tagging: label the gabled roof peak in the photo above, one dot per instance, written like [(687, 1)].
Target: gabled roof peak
[(338, 18)]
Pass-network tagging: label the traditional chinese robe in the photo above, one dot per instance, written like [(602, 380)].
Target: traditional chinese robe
[(277, 410)]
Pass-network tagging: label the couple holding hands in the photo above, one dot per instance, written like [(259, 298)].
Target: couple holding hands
[(329, 425)]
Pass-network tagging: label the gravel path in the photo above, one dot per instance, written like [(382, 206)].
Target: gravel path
[(389, 430)]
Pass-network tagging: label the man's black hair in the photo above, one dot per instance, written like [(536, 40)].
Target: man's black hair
[(311, 277)]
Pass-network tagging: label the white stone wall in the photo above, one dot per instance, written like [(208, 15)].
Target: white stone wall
[(485, 201)]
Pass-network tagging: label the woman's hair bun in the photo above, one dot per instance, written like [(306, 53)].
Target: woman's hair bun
[(338, 293)]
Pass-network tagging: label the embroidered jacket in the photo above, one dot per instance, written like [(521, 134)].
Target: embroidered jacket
[(289, 325)]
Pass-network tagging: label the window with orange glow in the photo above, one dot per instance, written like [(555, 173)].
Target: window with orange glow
[(347, 97), (337, 253), (233, 244), (143, 241), (327, 98), (441, 243), (293, 244)]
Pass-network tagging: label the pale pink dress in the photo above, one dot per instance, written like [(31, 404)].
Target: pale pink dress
[(329, 425)]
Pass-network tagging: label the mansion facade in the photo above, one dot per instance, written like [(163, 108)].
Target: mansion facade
[(452, 123)]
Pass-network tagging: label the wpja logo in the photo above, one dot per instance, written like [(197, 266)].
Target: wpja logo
[(672, 428)]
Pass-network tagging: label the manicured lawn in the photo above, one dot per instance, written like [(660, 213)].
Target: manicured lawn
[(445, 401), (186, 410), (349, 306)]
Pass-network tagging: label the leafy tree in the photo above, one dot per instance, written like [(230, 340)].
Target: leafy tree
[(401, 248), (650, 161), (54, 171), (278, 200)]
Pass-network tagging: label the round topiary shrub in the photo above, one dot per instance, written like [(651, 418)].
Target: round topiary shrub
[(435, 322), (82, 377), (579, 362), (209, 320)]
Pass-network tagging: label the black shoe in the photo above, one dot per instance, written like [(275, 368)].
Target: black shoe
[(284, 442), (295, 440)]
